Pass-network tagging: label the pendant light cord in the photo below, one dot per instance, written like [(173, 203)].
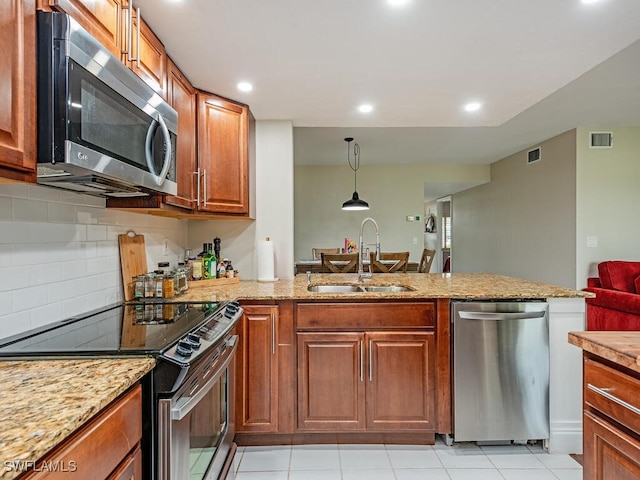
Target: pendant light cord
[(356, 162)]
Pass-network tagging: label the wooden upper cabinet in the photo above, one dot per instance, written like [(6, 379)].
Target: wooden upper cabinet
[(104, 19), (182, 97), (18, 87), (149, 57), (223, 155)]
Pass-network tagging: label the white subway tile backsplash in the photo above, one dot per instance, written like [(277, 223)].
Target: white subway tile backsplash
[(6, 207), (5, 305), (48, 194), (96, 233), (64, 290), (28, 298), (14, 232), (6, 255), (59, 253), (29, 210), (51, 312), (14, 190), (13, 278), (61, 213), (14, 323)]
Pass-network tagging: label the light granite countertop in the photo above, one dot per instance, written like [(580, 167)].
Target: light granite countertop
[(434, 285), (622, 348), (45, 401)]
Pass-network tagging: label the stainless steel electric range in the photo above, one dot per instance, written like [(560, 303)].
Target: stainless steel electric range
[(188, 417)]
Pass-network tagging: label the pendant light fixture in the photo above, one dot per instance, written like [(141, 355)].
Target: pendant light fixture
[(355, 203)]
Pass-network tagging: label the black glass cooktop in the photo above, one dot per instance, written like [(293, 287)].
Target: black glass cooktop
[(144, 328)]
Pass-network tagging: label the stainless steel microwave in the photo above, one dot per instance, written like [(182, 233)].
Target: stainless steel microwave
[(101, 130)]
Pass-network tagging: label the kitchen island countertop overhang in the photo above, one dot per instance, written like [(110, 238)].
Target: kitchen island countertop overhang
[(476, 286)]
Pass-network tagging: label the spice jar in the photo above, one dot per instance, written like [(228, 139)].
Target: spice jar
[(138, 286), (149, 285), (168, 285)]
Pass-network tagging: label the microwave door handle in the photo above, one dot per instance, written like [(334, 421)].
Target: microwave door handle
[(159, 178)]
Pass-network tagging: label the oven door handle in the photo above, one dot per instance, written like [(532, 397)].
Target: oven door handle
[(186, 404)]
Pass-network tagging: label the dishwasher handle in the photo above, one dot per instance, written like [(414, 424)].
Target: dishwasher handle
[(501, 315)]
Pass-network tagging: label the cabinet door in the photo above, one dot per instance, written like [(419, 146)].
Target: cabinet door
[(400, 381), (101, 18), (331, 381), (257, 370), (18, 87), (130, 468), (150, 62), (223, 155), (182, 96), (609, 454)]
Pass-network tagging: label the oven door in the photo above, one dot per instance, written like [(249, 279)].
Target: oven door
[(196, 426)]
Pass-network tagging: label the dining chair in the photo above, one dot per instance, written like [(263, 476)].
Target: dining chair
[(426, 260), (339, 262), (315, 252), (401, 260)]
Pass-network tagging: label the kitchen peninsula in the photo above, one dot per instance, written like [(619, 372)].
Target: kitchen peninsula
[(283, 330), (298, 346)]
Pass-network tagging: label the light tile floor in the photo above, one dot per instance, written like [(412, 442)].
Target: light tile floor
[(463, 461)]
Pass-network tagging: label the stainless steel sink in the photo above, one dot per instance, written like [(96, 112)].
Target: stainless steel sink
[(334, 288), (387, 288), (358, 288)]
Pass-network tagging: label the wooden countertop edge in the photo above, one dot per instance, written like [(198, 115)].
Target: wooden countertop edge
[(622, 348)]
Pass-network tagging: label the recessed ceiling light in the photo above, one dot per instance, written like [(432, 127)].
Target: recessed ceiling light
[(366, 108), (472, 106), (590, 1), (245, 86), (398, 3)]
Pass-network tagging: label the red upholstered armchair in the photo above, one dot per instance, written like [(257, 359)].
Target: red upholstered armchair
[(617, 302)]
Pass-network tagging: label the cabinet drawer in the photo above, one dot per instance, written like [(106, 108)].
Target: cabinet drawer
[(363, 316), (99, 447), (613, 393)]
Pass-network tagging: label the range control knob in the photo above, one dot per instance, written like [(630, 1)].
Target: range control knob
[(193, 340), (230, 311), (184, 349)]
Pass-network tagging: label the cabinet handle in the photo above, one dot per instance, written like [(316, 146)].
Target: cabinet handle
[(370, 360), (197, 174), (204, 187), (138, 37), (361, 361), (613, 398), (129, 31), (273, 333)]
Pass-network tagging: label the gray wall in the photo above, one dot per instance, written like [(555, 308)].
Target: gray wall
[(522, 223), (392, 191), (608, 192)]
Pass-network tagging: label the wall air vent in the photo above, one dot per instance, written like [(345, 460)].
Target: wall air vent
[(600, 140), (533, 155)]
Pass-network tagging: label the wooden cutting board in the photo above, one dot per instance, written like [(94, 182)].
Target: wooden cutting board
[(133, 260)]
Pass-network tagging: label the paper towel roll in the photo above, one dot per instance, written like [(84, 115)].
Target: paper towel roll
[(264, 251)]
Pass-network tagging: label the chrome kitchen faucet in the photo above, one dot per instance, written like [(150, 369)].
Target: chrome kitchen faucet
[(361, 274)]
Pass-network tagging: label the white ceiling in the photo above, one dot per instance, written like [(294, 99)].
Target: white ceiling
[(540, 67)]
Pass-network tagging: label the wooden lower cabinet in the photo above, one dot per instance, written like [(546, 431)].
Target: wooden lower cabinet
[(400, 391), (609, 453), (331, 390), (257, 370), (108, 447), (611, 421), (374, 381)]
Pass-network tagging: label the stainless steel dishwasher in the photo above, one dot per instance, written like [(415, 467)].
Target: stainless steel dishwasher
[(500, 371)]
